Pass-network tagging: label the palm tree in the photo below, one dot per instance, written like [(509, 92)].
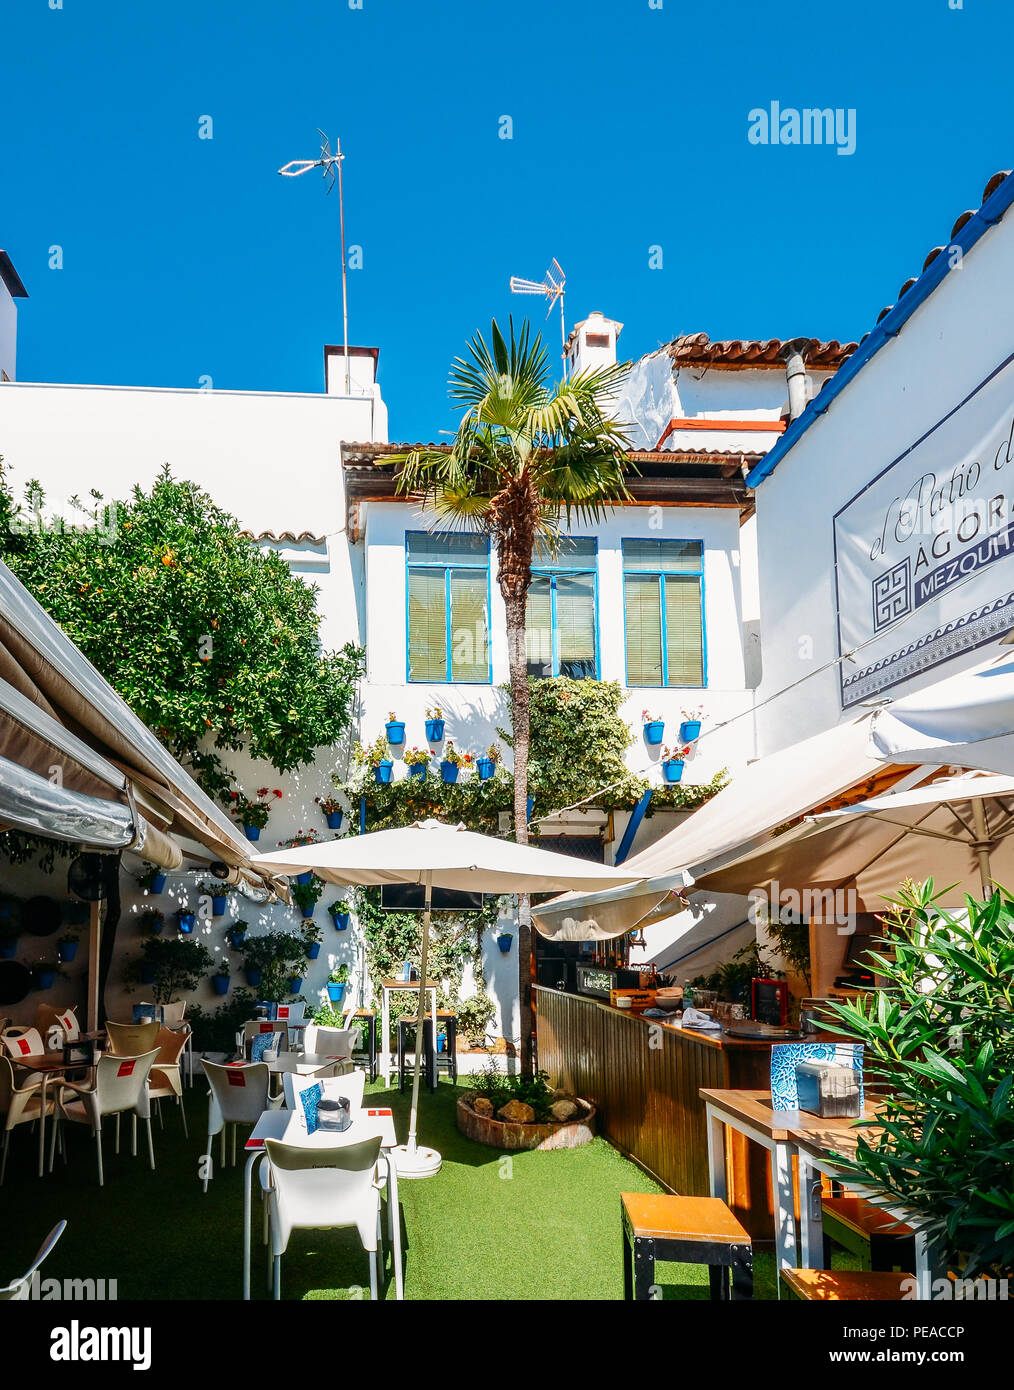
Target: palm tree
[(527, 453)]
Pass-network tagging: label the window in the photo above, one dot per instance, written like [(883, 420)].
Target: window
[(448, 607), (663, 609), (560, 634)]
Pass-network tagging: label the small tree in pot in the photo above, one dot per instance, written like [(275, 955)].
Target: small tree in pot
[(175, 966)]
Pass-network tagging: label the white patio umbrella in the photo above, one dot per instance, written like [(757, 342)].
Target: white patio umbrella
[(439, 856)]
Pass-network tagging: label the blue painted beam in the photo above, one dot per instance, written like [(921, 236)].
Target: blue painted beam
[(633, 825)]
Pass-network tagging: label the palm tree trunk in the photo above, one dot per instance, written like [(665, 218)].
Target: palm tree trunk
[(516, 605)]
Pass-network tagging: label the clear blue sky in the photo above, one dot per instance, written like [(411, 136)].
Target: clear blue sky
[(185, 257)]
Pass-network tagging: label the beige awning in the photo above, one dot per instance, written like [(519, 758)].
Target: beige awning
[(762, 799)]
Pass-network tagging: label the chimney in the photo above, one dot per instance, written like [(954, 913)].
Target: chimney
[(592, 343), (361, 376), (795, 375)]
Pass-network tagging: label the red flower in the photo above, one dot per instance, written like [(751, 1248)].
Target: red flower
[(276, 791), (262, 791), (234, 796)]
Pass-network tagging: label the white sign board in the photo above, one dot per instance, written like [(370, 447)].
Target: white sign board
[(924, 554)]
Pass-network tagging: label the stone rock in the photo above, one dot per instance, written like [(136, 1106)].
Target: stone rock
[(563, 1109), (482, 1105), (516, 1112)]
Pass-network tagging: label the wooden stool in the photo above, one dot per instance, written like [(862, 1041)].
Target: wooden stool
[(688, 1230), (448, 1021), (867, 1231), (841, 1285), (406, 1058)]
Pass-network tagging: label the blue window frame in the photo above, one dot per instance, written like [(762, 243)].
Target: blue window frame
[(663, 613), (561, 622), (447, 608)]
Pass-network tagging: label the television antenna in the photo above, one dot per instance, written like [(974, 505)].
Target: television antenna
[(551, 288), (328, 163)]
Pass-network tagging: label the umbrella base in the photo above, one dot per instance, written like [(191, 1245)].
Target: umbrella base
[(416, 1163)]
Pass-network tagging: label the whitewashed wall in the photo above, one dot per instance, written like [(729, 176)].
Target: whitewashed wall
[(8, 334)]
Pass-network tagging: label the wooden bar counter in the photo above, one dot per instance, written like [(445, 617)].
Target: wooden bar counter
[(645, 1083)]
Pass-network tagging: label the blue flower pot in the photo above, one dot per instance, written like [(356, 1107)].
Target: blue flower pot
[(45, 979), (157, 884), (303, 878), (341, 921), (252, 832), (218, 903), (531, 807), (654, 731), (418, 770), (434, 730), (313, 950), (383, 771), (690, 730), (308, 911), (449, 771), (147, 974), (441, 1042), (220, 984), (253, 978), (236, 939), (295, 984), (67, 950), (485, 767), (504, 941), (336, 993), (8, 948), (334, 820), (672, 769), (395, 729), (186, 922)]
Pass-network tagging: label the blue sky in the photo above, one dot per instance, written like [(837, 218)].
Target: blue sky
[(185, 257)]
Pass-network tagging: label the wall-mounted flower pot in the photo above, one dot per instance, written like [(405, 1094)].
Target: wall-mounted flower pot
[(77, 914), (303, 878), (485, 767), (220, 983), (383, 771), (341, 921), (158, 884), (66, 951), (336, 993), (672, 769), (654, 731), (147, 974), (434, 730), (395, 729), (690, 730), (295, 984), (218, 903), (313, 950), (334, 820), (252, 832), (253, 977), (308, 911), (236, 939), (44, 978), (418, 770), (449, 771), (8, 948), (504, 941), (186, 921), (531, 807)]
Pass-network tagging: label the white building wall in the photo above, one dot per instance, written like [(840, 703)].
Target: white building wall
[(8, 335)]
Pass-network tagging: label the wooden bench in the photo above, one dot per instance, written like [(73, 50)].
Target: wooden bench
[(840, 1285), (867, 1231), (685, 1230)]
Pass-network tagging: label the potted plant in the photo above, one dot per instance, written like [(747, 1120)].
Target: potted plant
[(374, 755), (312, 936), (152, 879), (215, 890), (236, 934), (253, 814), (185, 920), (673, 760), (652, 726), (452, 761), (151, 921), (337, 983), (45, 974), (221, 979), (505, 940), (173, 966), (690, 729), (417, 760), (66, 947), (486, 765), (307, 895), (434, 724), (340, 910), (332, 809), (395, 729), (269, 962)]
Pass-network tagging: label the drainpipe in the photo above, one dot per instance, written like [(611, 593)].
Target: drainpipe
[(795, 375)]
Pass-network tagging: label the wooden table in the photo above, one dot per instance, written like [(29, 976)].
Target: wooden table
[(387, 988)]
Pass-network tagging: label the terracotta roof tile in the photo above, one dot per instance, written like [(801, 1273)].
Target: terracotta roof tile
[(289, 536), (696, 349)]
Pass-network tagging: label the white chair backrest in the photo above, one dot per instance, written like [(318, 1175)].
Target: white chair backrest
[(21, 1288), (241, 1092), (22, 1042), (173, 1014), (332, 1042), (350, 1086), (120, 1082), (257, 1026), (291, 1013), (321, 1187)]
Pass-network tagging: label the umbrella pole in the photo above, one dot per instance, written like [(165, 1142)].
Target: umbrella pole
[(982, 846), (413, 1161)]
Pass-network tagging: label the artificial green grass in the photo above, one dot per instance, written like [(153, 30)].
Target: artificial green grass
[(488, 1226)]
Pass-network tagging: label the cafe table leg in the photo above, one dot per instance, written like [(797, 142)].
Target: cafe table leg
[(385, 1036), (247, 1184), (394, 1226), (785, 1216), (716, 1154), (811, 1215)]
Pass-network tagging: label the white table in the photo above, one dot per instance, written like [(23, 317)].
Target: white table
[(285, 1125), (387, 988)]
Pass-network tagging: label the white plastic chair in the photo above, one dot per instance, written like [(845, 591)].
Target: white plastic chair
[(294, 1015), (256, 1026), (47, 1017), (311, 1189), (22, 1042), (332, 1042), (22, 1105), (121, 1084), (351, 1086), (21, 1289), (166, 1078), (239, 1096)]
